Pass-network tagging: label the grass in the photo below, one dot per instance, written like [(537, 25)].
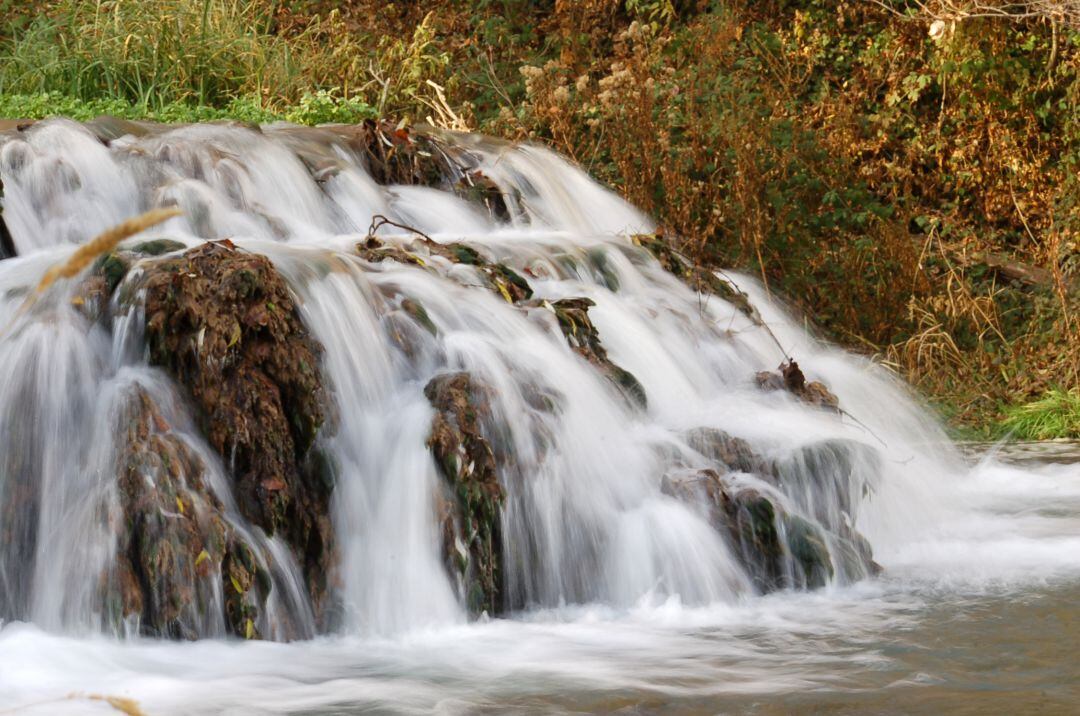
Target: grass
[(1055, 415), (173, 59), (313, 108), (157, 53)]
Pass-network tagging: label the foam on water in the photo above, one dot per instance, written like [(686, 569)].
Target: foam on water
[(617, 586)]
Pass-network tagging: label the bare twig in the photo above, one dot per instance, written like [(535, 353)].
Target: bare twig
[(378, 221)]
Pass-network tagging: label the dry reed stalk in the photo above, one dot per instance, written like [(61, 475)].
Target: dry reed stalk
[(103, 242), (88, 252)]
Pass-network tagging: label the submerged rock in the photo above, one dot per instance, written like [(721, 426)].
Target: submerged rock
[(222, 322), (470, 510), (179, 562)]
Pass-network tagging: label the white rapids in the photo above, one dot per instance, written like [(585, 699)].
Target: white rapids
[(621, 594)]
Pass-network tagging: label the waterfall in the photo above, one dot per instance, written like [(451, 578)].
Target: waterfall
[(634, 454)]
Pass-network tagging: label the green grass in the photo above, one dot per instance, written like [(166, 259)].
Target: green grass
[(313, 108), (154, 53), (1055, 415), (174, 59)]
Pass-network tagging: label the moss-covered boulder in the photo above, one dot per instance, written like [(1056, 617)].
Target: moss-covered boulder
[(223, 324), (179, 562), (470, 509)]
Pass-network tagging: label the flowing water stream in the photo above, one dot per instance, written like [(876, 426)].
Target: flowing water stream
[(620, 591)]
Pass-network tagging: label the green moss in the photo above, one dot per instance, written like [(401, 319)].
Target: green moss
[(157, 247), (809, 551), (113, 268)]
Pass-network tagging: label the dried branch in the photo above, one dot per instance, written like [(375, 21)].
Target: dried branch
[(1059, 12)]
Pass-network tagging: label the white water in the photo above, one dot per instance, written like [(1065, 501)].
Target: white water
[(624, 589)]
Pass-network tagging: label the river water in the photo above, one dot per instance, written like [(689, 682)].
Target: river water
[(636, 604)]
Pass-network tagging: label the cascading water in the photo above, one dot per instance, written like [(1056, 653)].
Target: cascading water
[(624, 455)]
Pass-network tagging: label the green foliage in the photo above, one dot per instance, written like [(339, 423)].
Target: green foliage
[(56, 104), (326, 107), (1055, 415)]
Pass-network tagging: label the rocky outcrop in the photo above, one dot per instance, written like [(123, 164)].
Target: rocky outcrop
[(469, 510), (223, 324), (179, 562)]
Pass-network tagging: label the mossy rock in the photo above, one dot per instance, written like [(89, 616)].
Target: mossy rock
[(699, 278), (472, 505), (113, 267), (175, 541), (157, 247), (809, 551), (778, 549), (223, 324), (499, 277)]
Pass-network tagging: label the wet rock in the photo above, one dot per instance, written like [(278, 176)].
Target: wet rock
[(498, 276), (808, 551), (157, 247), (222, 322), (584, 339), (397, 154), (176, 552), (790, 378), (829, 478), (476, 187), (697, 277), (409, 326), (778, 549), (735, 453), (470, 509), (418, 313), (7, 243)]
